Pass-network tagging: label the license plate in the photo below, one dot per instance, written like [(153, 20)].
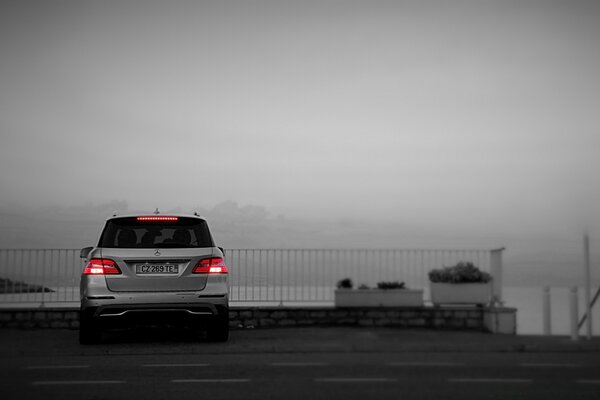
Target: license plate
[(156, 269)]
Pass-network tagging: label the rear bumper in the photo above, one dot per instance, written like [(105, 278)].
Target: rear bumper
[(108, 298), (162, 313)]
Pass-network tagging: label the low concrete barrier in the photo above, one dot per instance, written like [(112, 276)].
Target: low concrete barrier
[(495, 320), (39, 318)]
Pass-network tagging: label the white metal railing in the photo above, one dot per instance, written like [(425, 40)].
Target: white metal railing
[(39, 276), (256, 275), (310, 275)]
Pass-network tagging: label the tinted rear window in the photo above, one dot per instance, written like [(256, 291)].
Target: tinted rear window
[(131, 233)]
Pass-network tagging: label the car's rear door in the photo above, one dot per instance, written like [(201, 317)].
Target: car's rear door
[(156, 253)]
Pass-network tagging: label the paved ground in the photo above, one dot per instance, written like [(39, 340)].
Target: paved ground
[(298, 363)]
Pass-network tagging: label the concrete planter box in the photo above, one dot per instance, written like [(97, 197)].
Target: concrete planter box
[(378, 298), (461, 293)]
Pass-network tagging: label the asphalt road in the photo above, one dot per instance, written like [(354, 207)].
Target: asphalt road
[(208, 372), (302, 376)]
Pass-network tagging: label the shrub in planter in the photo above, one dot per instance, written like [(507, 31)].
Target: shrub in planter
[(345, 283), (462, 283), (391, 285), (463, 272)]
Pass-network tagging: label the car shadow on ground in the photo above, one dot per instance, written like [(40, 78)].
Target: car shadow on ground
[(154, 334)]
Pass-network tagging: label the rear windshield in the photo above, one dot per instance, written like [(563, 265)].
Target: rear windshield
[(130, 233)]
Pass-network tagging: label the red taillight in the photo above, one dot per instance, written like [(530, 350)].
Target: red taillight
[(101, 266), (214, 265), (156, 218)]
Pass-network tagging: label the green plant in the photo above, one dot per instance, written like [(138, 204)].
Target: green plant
[(363, 286), (462, 272), (391, 285), (345, 283)]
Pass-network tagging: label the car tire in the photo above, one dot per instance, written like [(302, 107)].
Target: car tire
[(218, 330), (89, 331)]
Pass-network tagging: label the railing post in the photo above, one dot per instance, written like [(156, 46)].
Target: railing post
[(496, 272), (280, 276), (574, 302), (37, 263), (547, 312), (588, 285)]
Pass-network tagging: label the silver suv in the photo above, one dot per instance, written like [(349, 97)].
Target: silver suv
[(154, 268)]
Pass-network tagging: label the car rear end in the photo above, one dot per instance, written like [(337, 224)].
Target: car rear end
[(156, 269)]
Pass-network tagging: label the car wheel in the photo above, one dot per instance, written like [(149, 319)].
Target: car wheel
[(89, 332), (218, 330)]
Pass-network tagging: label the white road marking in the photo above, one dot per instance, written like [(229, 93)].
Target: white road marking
[(425, 364), (56, 366), (46, 383), (489, 380), (550, 365), (299, 364), (357, 380), (210, 380), (589, 381), (174, 365)]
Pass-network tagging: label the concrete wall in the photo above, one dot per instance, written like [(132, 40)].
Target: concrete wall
[(419, 317), (496, 320), (39, 318)]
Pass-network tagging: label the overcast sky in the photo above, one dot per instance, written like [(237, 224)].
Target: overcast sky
[(433, 112)]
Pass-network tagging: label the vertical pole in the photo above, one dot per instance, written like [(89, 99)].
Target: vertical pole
[(573, 300), (281, 254), (37, 265), (245, 269), (588, 283), (496, 272), (4, 264), (43, 264), (547, 311), (260, 272)]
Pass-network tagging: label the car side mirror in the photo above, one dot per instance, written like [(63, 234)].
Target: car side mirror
[(85, 252)]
